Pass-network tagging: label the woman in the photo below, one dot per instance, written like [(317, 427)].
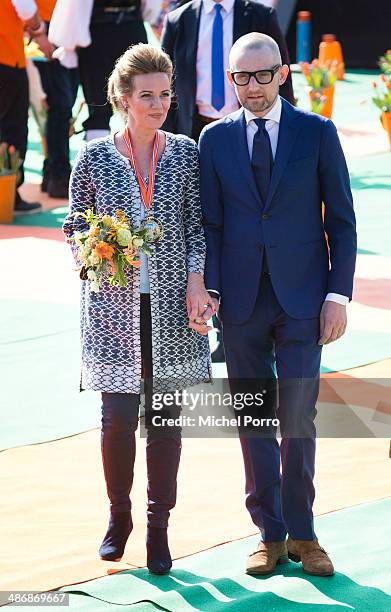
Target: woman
[(144, 326)]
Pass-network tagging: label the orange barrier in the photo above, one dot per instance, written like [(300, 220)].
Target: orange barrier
[(7, 197), (329, 51)]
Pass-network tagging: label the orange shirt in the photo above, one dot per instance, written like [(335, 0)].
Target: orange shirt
[(11, 31), (11, 36), (46, 8)]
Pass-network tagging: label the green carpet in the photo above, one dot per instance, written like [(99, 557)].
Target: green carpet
[(47, 218), (371, 187), (214, 580), (39, 363), (352, 99)]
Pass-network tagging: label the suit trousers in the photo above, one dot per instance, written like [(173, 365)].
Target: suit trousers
[(96, 62), (14, 104), (271, 346), (118, 441), (60, 85)]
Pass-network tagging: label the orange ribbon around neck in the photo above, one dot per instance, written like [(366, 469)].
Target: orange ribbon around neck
[(146, 191)]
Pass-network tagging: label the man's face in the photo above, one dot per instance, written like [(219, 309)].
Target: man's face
[(255, 97)]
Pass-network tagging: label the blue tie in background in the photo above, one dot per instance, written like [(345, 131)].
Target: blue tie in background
[(218, 96)]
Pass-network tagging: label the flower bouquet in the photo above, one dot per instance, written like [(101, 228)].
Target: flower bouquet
[(108, 248), (321, 79), (9, 168), (385, 63), (382, 91)]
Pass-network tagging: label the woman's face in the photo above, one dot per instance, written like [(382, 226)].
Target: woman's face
[(150, 99)]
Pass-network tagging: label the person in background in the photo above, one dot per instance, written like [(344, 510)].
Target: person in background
[(60, 85), (93, 34), (16, 16), (198, 37)]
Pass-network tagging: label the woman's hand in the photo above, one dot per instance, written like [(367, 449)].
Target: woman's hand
[(198, 302)]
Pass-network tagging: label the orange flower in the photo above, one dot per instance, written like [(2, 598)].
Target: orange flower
[(104, 250)]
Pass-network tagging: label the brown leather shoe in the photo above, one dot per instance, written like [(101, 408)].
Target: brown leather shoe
[(265, 558), (314, 558)]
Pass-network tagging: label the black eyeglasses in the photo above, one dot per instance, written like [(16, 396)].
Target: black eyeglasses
[(263, 77)]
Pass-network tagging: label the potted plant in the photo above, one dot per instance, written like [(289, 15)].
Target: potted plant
[(382, 91), (9, 166), (321, 80)]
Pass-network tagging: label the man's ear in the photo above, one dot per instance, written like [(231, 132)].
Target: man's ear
[(229, 75), (283, 74)]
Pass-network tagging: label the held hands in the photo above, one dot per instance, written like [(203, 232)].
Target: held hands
[(39, 35), (333, 321), (45, 45), (200, 306)]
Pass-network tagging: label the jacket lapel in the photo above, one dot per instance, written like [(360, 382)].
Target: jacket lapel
[(288, 130), (242, 19), (238, 140), (191, 25)]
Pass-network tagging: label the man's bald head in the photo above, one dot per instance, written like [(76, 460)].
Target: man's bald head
[(261, 44), (257, 56)]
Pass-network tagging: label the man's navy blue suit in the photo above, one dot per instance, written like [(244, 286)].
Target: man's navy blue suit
[(271, 321)]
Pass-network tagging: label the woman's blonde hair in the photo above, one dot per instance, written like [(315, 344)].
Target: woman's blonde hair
[(138, 59)]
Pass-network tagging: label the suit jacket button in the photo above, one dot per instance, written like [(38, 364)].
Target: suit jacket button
[(265, 216)]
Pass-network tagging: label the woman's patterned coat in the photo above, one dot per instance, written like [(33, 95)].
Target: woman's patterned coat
[(110, 320)]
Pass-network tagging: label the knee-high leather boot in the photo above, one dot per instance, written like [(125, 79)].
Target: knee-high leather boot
[(118, 446), (163, 456)]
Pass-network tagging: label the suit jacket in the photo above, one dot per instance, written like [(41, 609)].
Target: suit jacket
[(180, 38), (309, 169)]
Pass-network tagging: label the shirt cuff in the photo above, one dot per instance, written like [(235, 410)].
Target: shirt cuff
[(214, 293), (25, 9), (336, 297)]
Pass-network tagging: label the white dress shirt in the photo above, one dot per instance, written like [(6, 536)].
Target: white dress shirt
[(204, 59), (25, 9), (273, 118), (70, 26)]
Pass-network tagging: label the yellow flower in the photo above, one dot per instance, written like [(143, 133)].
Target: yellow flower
[(107, 221), (124, 236), (138, 242)]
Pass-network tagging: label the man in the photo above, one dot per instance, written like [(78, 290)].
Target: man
[(265, 171), (15, 16), (60, 85), (198, 37)]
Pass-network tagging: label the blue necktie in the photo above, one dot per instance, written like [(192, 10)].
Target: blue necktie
[(218, 96), (262, 159)]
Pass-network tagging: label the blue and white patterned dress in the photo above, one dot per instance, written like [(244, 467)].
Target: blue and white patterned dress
[(110, 320)]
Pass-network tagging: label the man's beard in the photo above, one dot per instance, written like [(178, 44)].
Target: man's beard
[(258, 106)]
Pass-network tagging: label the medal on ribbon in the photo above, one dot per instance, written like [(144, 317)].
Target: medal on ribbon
[(152, 226)]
